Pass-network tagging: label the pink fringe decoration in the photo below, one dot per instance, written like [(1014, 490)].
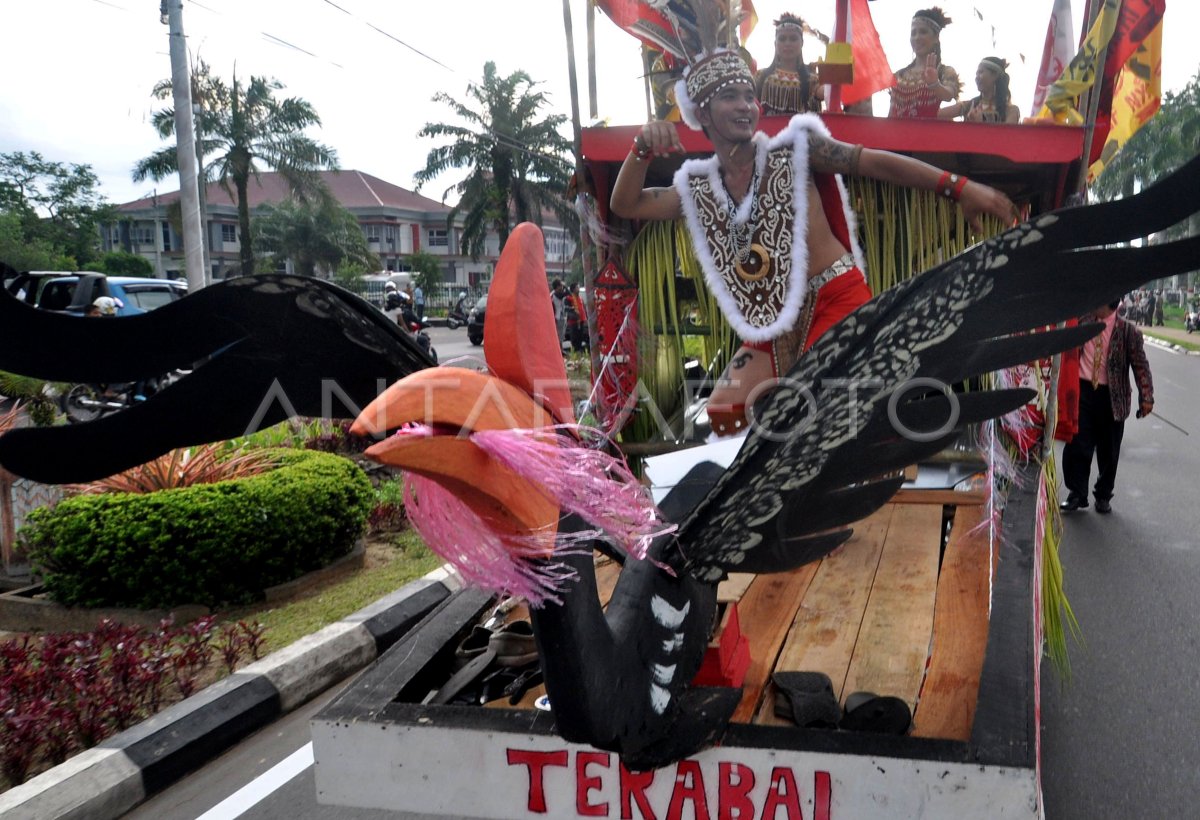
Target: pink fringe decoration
[(483, 557), (595, 486)]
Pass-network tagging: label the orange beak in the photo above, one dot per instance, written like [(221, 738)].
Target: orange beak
[(455, 402), (522, 348)]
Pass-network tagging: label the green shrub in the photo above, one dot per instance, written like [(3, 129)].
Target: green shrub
[(123, 263), (211, 544)]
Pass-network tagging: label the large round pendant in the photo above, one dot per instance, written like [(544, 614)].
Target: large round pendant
[(756, 266)]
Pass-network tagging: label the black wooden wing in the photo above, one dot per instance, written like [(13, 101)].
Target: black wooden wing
[(260, 350), (868, 397)]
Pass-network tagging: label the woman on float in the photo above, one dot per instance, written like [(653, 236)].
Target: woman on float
[(994, 103), (786, 85), (925, 83)]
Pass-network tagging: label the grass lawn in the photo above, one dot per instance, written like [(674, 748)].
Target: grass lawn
[(392, 561)]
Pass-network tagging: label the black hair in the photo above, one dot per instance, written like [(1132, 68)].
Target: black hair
[(760, 81), (1001, 97), (938, 16)]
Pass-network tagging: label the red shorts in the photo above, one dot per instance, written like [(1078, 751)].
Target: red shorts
[(835, 301)]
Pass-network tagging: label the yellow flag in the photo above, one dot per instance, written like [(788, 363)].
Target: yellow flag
[(1080, 73), (1136, 96)]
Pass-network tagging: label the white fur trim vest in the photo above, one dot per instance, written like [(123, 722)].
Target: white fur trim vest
[(759, 310)]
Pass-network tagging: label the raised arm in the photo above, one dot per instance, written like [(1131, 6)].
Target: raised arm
[(949, 112), (630, 198), (830, 156)]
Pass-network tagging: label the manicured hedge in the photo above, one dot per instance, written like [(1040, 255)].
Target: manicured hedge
[(210, 544)]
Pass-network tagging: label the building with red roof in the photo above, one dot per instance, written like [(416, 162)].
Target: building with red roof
[(396, 221)]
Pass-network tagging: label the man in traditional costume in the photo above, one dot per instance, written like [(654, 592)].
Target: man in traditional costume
[(769, 220)]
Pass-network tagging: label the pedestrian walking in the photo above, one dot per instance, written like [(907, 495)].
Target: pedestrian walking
[(558, 298), (1105, 398)]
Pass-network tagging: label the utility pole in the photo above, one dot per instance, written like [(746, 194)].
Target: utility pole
[(185, 145), (202, 197)]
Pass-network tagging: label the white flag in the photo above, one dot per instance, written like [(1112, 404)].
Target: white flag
[(1060, 48)]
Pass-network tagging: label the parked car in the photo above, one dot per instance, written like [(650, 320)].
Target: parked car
[(475, 321), (73, 293)]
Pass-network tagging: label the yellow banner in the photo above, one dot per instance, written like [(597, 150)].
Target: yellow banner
[(1080, 73), (1136, 96)]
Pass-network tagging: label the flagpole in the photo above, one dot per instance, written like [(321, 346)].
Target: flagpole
[(1092, 103), (582, 187), (1089, 132), (593, 108), (840, 27)]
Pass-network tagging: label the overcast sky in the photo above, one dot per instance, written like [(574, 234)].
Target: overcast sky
[(77, 74)]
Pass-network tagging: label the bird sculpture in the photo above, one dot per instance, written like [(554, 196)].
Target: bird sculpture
[(620, 677)]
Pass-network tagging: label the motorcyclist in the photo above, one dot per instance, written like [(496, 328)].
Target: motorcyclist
[(408, 316), (391, 297)]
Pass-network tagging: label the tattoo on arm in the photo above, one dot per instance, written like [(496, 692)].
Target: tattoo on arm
[(831, 156)]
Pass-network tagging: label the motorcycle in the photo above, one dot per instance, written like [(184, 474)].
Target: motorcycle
[(416, 325), (88, 402), (457, 317), (1191, 321)]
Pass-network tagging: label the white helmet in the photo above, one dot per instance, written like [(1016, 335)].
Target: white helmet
[(107, 305), (390, 286)]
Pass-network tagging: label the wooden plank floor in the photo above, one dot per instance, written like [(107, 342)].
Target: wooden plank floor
[(868, 617), (960, 626), (893, 645), (825, 630)]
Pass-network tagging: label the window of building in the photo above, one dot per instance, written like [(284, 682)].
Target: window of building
[(229, 233), (438, 238), (372, 234), (166, 228), (144, 236)]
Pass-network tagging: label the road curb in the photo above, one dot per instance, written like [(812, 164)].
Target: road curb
[(1167, 345), (110, 779)]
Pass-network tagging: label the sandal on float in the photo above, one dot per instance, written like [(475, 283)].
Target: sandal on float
[(868, 712), (806, 699)]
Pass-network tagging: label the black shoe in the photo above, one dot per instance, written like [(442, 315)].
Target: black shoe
[(1102, 506), (1074, 503)]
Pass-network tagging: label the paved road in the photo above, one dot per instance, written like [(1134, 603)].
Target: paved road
[(453, 347), (1119, 741), (1122, 739)]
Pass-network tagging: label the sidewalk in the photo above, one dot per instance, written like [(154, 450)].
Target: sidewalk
[(106, 781), (1169, 335)]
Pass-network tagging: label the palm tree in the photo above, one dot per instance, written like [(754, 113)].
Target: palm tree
[(516, 158), (316, 233), (244, 130)]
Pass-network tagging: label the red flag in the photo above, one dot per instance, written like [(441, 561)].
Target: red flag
[(653, 29), (1137, 19), (871, 70)]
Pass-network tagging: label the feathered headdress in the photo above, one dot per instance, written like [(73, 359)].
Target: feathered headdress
[(704, 35)]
